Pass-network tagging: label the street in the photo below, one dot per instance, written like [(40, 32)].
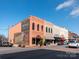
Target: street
[(55, 52)]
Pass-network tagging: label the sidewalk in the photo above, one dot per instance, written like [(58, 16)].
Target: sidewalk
[(63, 48)]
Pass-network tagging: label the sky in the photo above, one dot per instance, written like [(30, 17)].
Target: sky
[(64, 13)]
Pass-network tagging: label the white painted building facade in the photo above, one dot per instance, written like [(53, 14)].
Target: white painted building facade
[(48, 31), (60, 32)]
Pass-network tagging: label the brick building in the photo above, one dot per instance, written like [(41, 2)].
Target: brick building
[(30, 31)]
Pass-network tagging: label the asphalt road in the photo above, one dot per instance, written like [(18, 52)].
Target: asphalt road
[(36, 53), (8, 50)]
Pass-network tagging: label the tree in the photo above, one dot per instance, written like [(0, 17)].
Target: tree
[(3, 38), (41, 42)]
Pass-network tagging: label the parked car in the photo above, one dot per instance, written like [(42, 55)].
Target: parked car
[(7, 44), (65, 42), (0, 44), (73, 44), (59, 43)]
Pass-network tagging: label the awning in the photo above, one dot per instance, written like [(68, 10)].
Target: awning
[(49, 38)]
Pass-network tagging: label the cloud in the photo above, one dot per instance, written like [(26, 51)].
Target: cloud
[(65, 4), (75, 12), (70, 3)]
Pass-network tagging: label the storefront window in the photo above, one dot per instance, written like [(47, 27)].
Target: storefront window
[(33, 40)]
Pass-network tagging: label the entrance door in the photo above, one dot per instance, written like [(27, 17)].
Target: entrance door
[(37, 41)]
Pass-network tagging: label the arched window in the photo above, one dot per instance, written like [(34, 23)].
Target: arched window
[(51, 30), (37, 27), (33, 26), (42, 27), (46, 29)]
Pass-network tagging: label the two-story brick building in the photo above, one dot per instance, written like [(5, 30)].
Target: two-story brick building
[(30, 31)]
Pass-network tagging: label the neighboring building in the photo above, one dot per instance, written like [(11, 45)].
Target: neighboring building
[(64, 32), (56, 31), (72, 36), (49, 32), (30, 31), (60, 34)]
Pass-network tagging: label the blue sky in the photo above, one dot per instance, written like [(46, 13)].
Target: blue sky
[(63, 13)]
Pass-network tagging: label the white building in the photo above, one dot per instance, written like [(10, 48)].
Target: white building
[(60, 32), (48, 30)]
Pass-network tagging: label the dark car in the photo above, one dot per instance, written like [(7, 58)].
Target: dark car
[(7, 44), (0, 44)]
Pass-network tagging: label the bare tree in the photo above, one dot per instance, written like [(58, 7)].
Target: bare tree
[(3, 38)]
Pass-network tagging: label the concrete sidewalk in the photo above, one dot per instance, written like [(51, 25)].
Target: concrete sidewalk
[(63, 48), (6, 50)]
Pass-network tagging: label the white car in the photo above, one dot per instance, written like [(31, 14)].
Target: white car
[(73, 44)]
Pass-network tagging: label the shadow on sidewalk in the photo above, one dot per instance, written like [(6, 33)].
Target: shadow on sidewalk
[(40, 54)]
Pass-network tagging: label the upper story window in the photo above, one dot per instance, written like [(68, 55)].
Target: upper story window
[(42, 27), (33, 26), (46, 29), (51, 30), (37, 27)]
